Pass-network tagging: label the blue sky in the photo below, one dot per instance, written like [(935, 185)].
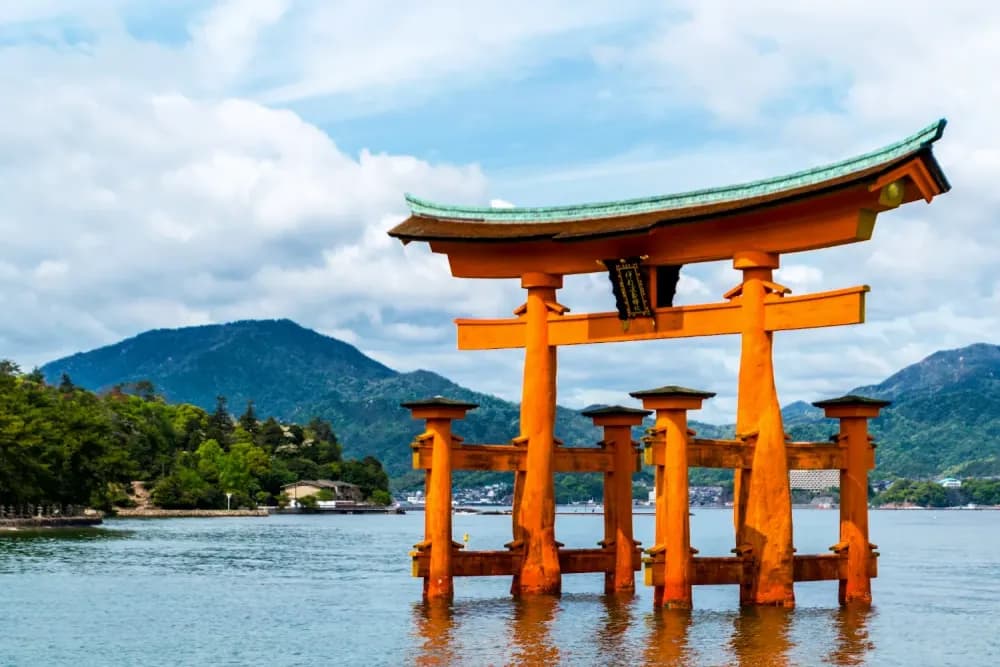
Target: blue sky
[(175, 163)]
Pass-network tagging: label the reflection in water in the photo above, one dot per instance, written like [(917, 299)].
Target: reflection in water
[(668, 637), (434, 626), (60, 535), (760, 636), (614, 625), (853, 642), (52, 545), (530, 630)]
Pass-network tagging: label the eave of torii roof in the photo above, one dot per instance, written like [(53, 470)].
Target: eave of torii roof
[(430, 221)]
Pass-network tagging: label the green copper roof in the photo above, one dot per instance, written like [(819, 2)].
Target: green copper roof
[(671, 390), (767, 187), (615, 410), (853, 399)]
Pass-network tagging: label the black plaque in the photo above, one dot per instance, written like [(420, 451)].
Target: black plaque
[(629, 286), (666, 284)]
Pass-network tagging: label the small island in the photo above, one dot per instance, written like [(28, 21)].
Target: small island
[(73, 456)]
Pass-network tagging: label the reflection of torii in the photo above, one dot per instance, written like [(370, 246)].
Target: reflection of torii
[(752, 225)]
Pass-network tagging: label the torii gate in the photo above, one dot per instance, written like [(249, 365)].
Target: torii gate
[(751, 224)]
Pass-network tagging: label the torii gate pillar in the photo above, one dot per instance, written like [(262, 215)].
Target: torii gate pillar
[(534, 493), (762, 496), (859, 457), (672, 533), (617, 422)]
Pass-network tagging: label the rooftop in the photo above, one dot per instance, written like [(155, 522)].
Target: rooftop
[(430, 220)]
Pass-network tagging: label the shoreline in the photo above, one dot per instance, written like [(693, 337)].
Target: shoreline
[(149, 513), (47, 522)]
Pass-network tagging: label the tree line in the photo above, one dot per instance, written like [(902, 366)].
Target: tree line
[(63, 445), (932, 494)]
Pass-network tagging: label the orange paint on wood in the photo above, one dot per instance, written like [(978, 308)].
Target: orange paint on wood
[(502, 458), (437, 546), (505, 563), (618, 531), (540, 572), (672, 527), (437, 513), (824, 309), (706, 453), (677, 570), (854, 510), (731, 570), (763, 506), (821, 221)]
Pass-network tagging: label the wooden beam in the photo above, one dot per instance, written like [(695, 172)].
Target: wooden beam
[(718, 453), (512, 457), (702, 453), (825, 309), (506, 563), (718, 570), (705, 453), (846, 216)]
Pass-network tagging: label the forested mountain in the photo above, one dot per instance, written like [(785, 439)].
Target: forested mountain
[(63, 445), (275, 363), (297, 374), (945, 417), (944, 420)]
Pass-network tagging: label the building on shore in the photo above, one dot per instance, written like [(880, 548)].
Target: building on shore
[(814, 480), (342, 491)]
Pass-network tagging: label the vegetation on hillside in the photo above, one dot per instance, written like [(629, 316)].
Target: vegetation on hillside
[(945, 417), (65, 445), (932, 494)]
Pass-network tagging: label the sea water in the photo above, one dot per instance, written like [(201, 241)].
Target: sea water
[(336, 590)]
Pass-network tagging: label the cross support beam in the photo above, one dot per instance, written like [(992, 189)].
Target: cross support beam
[(721, 570), (808, 311), (507, 563), (504, 458)]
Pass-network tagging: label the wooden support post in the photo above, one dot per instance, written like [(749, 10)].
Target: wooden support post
[(673, 526), (618, 534), (859, 457), (537, 512), (762, 502), (438, 413)]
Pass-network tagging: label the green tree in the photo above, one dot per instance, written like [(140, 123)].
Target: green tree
[(145, 390), (381, 497), (36, 376), (185, 488), (220, 423), (321, 430), (272, 436), (367, 474), (248, 420)]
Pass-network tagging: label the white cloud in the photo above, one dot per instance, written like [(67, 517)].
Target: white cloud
[(148, 184), (379, 49), (130, 205)]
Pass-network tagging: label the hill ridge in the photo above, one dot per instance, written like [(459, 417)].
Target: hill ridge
[(945, 417)]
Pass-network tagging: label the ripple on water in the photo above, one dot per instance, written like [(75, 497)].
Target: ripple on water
[(294, 590)]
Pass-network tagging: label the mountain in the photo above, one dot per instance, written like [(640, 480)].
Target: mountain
[(274, 362), (944, 420), (294, 374), (945, 417)]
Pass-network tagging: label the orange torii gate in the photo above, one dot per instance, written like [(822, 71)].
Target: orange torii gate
[(752, 225)]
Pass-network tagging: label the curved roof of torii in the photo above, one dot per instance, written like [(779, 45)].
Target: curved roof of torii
[(440, 222)]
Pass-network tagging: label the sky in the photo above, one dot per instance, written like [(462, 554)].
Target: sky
[(166, 164)]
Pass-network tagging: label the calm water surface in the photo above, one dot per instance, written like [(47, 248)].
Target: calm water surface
[(310, 590)]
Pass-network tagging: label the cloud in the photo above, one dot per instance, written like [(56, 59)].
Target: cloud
[(128, 206), (164, 180), (376, 49)]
